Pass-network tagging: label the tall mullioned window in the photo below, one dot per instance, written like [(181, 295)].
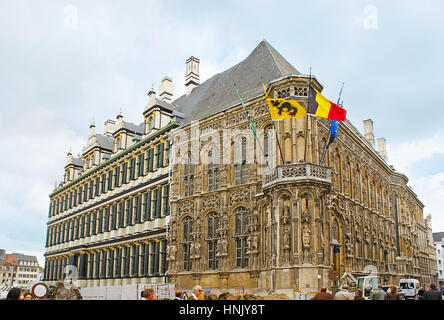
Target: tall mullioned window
[(213, 172), (186, 243), (241, 167), (188, 177), (268, 136), (213, 236), (240, 236)]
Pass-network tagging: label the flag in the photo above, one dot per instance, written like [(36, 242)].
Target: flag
[(324, 108), (333, 132), (334, 128), (247, 115), (284, 109)]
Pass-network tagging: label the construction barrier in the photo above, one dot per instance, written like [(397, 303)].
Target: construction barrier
[(128, 292)]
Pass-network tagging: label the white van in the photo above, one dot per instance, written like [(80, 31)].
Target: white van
[(409, 287)]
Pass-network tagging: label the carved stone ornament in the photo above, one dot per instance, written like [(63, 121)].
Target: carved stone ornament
[(186, 207), (239, 196), (211, 202)]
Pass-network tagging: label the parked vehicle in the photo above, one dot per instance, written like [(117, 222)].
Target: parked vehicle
[(398, 290), (409, 287), (367, 284)]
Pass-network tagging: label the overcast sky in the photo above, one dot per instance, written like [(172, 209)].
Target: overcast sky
[(64, 64)]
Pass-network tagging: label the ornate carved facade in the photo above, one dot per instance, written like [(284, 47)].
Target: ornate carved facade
[(286, 228)]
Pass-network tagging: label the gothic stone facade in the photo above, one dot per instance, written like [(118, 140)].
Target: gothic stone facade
[(285, 230)]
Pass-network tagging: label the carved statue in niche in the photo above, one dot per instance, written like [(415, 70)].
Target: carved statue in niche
[(286, 240), (306, 217), (195, 247), (197, 225), (171, 252), (286, 245), (286, 217), (255, 220), (349, 248), (306, 242)]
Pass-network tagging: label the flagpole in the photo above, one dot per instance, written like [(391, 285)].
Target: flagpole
[(306, 121), (251, 123), (275, 130)]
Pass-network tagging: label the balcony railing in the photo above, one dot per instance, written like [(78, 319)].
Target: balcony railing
[(299, 172)]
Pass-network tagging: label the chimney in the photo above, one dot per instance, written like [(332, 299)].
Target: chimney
[(92, 129), (382, 148), (368, 132), (109, 127), (151, 98), (119, 120), (192, 74), (166, 89)]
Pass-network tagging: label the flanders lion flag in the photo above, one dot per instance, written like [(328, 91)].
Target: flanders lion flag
[(284, 109)]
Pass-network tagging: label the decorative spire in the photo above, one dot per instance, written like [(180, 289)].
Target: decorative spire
[(120, 114)]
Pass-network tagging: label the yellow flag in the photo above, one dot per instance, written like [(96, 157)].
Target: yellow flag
[(285, 109)]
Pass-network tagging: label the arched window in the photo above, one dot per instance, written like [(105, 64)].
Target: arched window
[(213, 172), (117, 145), (268, 136), (188, 177), (212, 237), (335, 231), (240, 236), (338, 168), (150, 123), (241, 167), (186, 243)]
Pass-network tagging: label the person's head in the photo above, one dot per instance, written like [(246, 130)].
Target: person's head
[(345, 287), (197, 290), (379, 286), (179, 294), (14, 294), (393, 289), (358, 293), (432, 286), (324, 289), (27, 296), (148, 294)]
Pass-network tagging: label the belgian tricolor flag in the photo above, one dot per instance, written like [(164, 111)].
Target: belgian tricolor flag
[(324, 108)]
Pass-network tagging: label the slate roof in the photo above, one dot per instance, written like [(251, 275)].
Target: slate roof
[(437, 236), (263, 65), (77, 162), (105, 142), (24, 257), (131, 127)]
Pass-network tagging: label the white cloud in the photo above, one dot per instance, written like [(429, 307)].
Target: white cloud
[(411, 158), (407, 154), (33, 154), (430, 190)]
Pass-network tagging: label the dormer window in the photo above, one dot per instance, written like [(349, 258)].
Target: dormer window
[(150, 123), (117, 146)]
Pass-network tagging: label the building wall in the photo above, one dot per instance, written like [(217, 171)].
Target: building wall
[(297, 214), (440, 261), (114, 233)]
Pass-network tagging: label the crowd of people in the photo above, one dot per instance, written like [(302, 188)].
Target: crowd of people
[(16, 294), (344, 294), (378, 294)]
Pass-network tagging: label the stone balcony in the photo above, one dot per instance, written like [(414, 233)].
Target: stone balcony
[(297, 173)]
